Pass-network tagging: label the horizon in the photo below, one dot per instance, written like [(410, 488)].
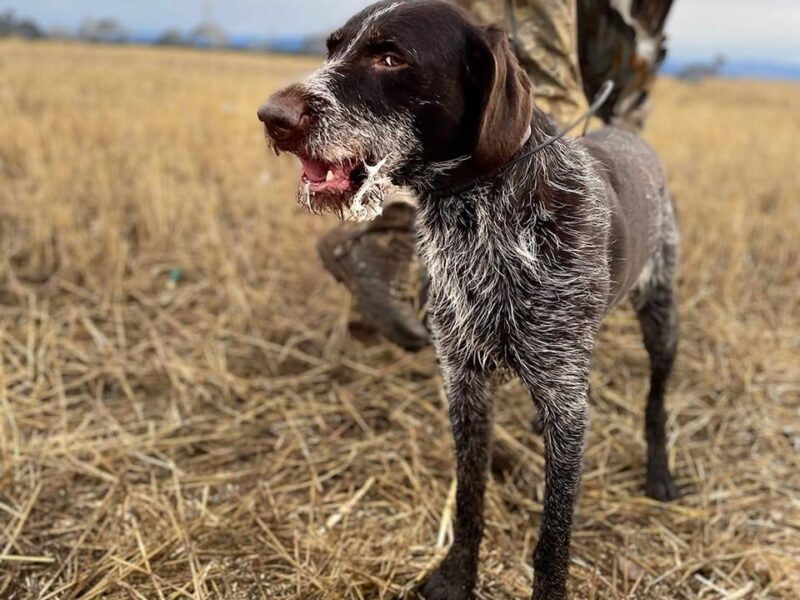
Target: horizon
[(742, 31)]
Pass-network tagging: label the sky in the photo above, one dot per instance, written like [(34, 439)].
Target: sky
[(743, 29)]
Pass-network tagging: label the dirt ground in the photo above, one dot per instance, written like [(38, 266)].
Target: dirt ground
[(182, 413)]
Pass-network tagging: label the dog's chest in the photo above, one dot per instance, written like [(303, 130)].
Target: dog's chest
[(484, 277)]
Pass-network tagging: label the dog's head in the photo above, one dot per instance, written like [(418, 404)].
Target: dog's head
[(410, 88)]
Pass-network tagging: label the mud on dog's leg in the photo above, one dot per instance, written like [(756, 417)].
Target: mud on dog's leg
[(470, 412), (563, 410)]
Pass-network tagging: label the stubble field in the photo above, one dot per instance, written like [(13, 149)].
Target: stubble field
[(182, 413)]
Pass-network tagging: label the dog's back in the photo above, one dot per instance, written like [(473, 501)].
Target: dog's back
[(642, 217)]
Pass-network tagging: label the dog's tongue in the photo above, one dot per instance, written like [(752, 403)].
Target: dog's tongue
[(323, 176), (317, 171), (314, 170)]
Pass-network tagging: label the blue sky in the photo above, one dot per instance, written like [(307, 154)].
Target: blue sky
[(751, 29)]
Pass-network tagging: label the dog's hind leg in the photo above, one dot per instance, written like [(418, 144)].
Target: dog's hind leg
[(657, 312), (470, 411)]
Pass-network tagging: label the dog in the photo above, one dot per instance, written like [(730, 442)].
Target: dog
[(526, 251)]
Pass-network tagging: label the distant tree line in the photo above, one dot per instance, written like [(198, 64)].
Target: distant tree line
[(206, 35), (111, 31), (695, 72), (10, 25), (103, 31)]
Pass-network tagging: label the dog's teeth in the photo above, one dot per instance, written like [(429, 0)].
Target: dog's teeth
[(329, 176)]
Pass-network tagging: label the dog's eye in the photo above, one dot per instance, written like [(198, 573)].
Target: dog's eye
[(390, 61)]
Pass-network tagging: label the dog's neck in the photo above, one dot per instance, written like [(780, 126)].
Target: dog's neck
[(462, 179)]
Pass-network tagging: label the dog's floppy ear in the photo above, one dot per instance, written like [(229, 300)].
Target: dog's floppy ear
[(507, 103)]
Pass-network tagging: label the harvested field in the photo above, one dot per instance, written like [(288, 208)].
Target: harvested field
[(182, 413)]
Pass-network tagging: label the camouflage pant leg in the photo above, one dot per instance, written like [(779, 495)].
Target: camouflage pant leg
[(546, 43)]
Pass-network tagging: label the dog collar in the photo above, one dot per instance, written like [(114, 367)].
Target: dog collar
[(600, 99)]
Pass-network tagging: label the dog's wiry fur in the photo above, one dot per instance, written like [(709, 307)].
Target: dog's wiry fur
[(524, 263), (520, 278)]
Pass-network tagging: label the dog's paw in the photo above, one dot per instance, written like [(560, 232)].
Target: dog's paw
[(441, 585), (660, 486)]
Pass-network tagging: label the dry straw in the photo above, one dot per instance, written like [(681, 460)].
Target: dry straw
[(182, 414)]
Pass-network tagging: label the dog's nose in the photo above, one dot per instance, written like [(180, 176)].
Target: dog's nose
[(285, 115)]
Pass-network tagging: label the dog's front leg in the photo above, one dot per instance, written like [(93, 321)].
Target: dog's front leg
[(564, 416), (471, 422)]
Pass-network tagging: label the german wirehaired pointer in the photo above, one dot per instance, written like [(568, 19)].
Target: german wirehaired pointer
[(525, 256)]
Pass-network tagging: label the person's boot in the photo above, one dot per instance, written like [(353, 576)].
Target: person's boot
[(377, 261)]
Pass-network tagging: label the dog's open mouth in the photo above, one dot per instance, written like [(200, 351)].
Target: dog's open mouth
[(322, 177), (352, 189)]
